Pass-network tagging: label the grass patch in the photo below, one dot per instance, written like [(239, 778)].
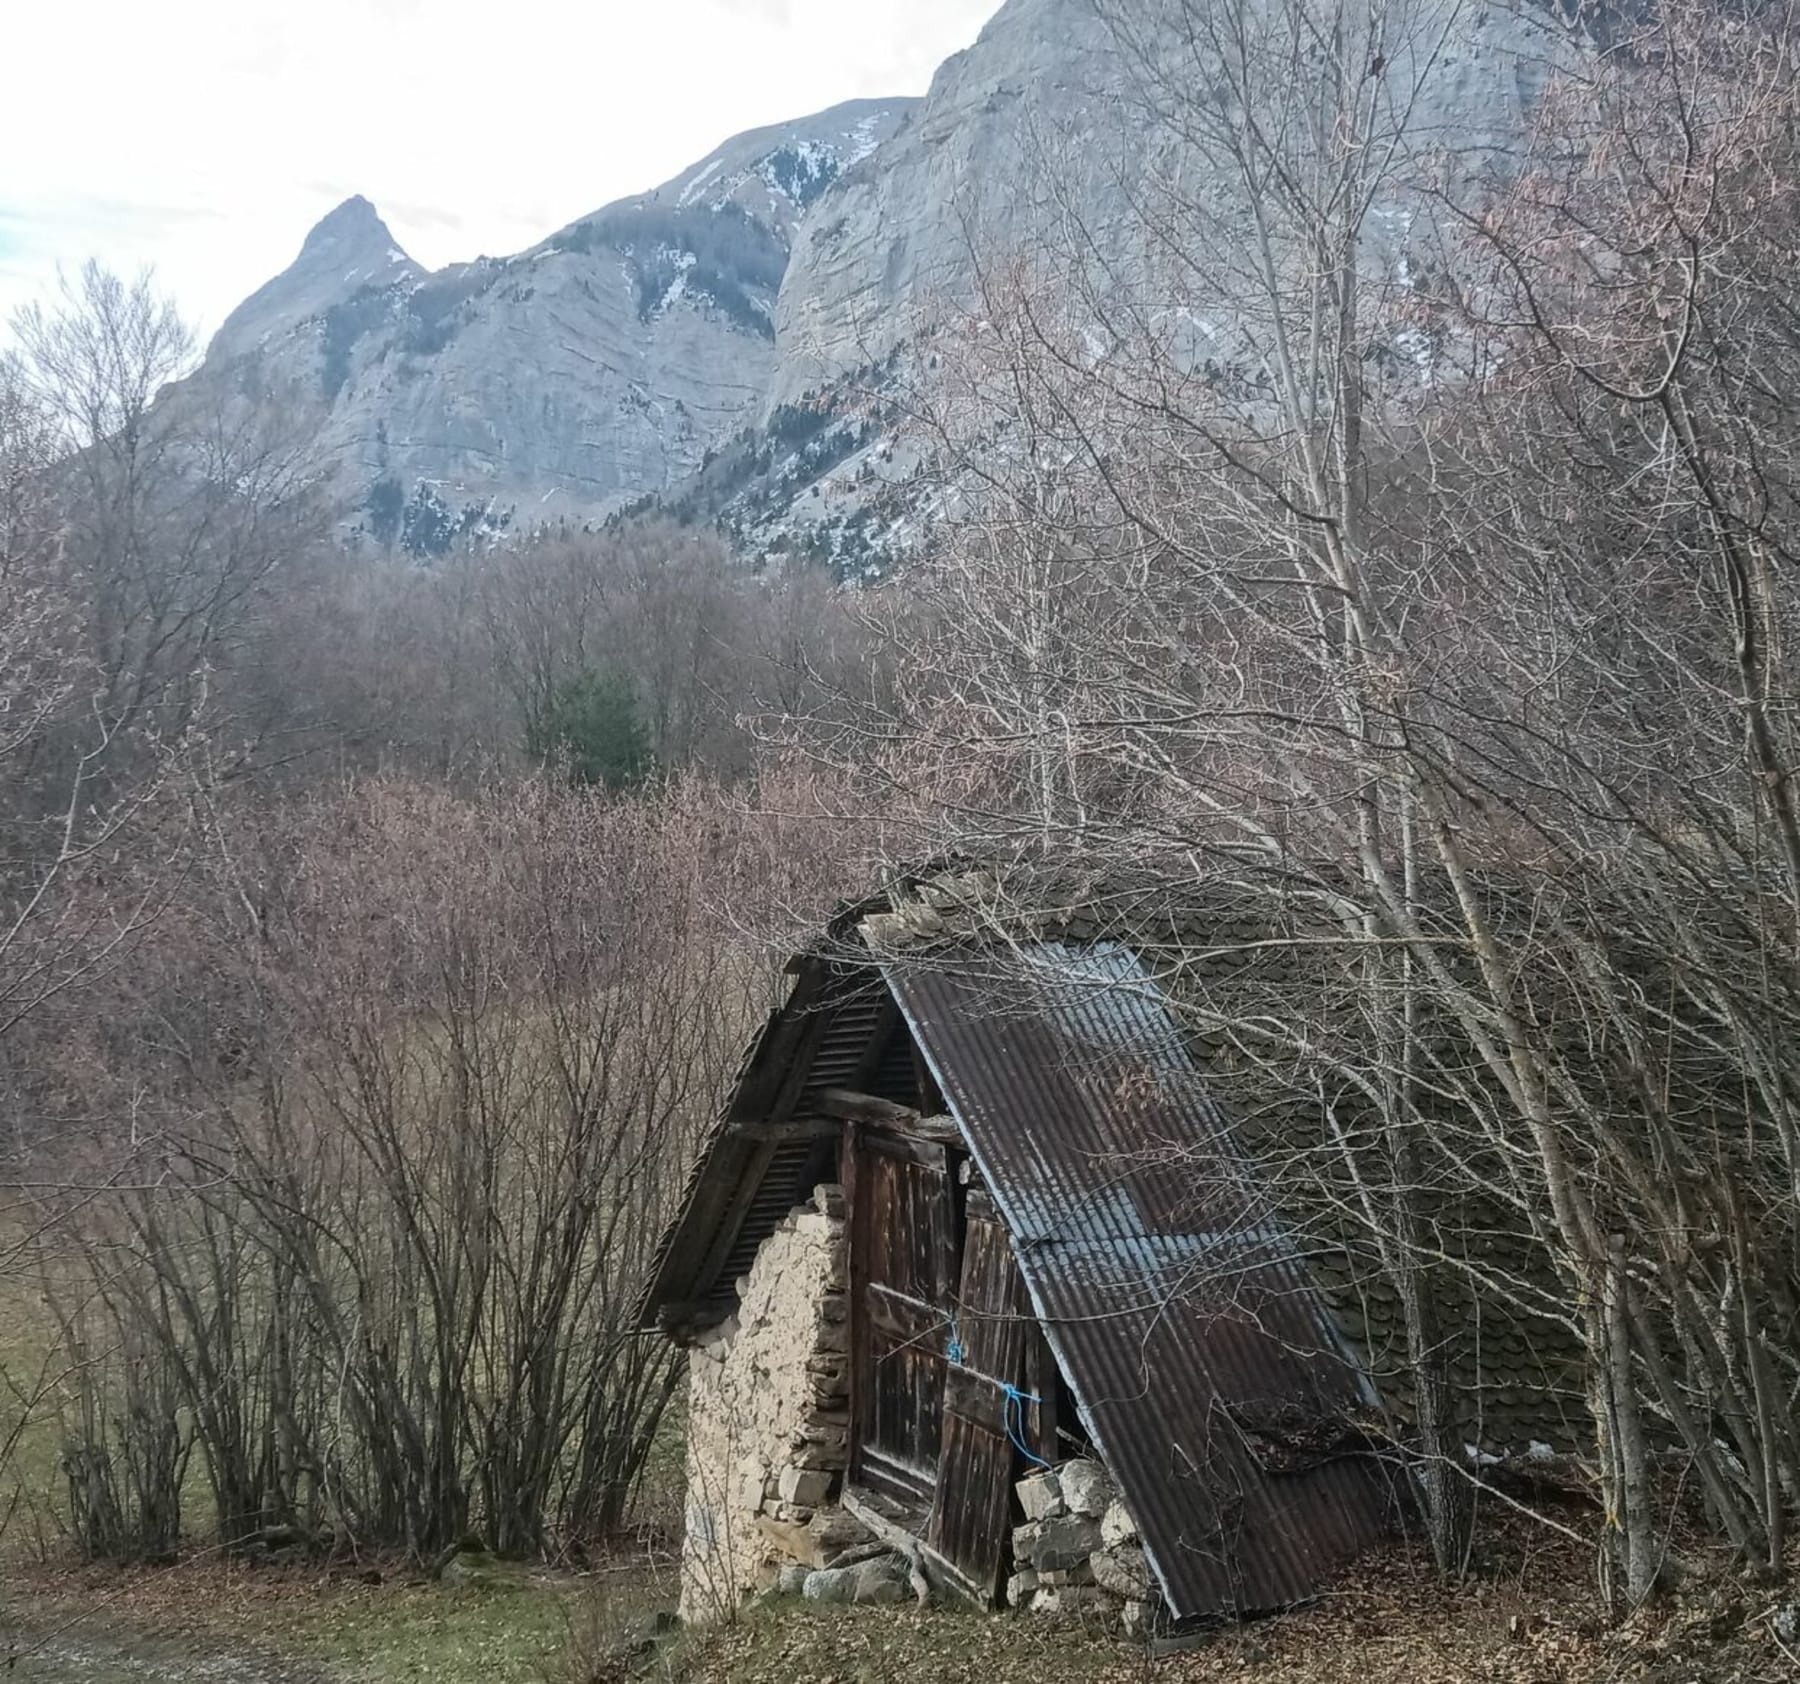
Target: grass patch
[(1393, 1623), (519, 1626), (539, 1628), (467, 1635)]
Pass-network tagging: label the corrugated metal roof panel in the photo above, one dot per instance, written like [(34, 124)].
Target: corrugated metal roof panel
[(1179, 1309)]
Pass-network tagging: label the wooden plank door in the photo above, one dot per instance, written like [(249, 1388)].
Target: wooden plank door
[(971, 1517), (903, 1245)]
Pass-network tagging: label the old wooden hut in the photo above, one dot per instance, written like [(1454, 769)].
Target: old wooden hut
[(947, 1236)]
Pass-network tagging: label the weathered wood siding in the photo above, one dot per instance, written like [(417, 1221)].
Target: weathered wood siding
[(903, 1246), (971, 1515)]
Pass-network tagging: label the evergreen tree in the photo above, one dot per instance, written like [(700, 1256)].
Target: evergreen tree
[(386, 508), (592, 726)]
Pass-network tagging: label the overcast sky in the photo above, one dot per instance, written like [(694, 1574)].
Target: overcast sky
[(206, 136)]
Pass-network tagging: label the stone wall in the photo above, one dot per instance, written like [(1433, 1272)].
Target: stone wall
[(1078, 1550), (768, 1419), (768, 1427)]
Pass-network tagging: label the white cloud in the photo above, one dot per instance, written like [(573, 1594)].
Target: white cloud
[(207, 136)]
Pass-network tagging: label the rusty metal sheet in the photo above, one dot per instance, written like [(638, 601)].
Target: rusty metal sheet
[(1179, 1310)]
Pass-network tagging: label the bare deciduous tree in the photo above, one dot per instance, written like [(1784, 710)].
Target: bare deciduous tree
[(1426, 599), (177, 514), (435, 1069)]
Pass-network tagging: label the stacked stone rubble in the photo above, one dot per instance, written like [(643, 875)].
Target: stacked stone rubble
[(768, 1418), (1078, 1550)]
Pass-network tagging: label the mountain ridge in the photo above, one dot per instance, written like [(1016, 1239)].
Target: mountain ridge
[(559, 382), (717, 343)]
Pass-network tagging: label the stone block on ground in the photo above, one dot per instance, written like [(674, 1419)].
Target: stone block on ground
[(881, 1580), (791, 1580), (1085, 1488), (827, 1584), (1124, 1571), (1060, 1542), (1117, 1526), (1040, 1496)]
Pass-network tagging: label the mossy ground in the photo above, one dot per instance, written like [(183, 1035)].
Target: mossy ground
[(515, 1627)]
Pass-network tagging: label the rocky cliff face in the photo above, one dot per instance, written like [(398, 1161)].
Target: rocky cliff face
[(600, 365), (1029, 111), (1037, 138), (675, 346)]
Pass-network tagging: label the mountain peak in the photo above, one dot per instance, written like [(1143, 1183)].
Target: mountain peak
[(355, 223), (349, 248)]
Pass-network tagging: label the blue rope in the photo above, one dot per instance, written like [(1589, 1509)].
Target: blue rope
[(1013, 1413)]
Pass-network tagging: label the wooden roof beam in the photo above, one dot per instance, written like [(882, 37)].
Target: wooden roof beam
[(849, 1106)]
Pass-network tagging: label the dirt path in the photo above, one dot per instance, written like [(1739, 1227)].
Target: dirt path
[(79, 1657)]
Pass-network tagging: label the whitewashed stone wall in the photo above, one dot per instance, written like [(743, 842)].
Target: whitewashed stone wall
[(1078, 1551), (768, 1418)]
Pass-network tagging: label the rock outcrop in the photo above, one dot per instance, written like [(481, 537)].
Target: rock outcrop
[(1029, 111)]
